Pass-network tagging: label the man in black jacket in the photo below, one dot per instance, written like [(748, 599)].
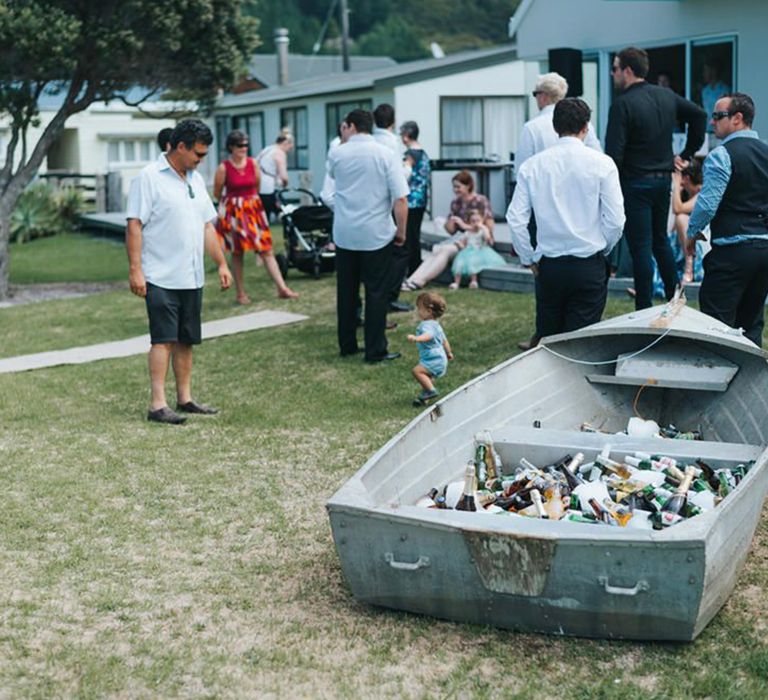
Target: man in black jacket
[(639, 139), (734, 202)]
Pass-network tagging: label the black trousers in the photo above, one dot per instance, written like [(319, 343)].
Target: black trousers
[(570, 293), (646, 204), (735, 286), (407, 257), (373, 269)]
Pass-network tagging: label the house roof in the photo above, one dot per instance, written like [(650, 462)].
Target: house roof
[(263, 67), (389, 76)]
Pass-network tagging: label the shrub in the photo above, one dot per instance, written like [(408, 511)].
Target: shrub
[(69, 203), (42, 211), (35, 215)]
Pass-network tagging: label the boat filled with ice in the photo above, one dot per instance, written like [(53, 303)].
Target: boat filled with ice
[(607, 483)]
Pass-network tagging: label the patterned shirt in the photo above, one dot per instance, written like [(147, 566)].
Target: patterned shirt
[(461, 208), (419, 179)]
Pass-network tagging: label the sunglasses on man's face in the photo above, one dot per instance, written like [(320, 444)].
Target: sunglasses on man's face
[(243, 144), (717, 116)]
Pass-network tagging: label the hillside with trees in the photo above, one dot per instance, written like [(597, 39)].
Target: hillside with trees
[(402, 29)]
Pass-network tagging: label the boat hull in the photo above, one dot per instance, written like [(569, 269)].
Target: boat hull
[(540, 576)]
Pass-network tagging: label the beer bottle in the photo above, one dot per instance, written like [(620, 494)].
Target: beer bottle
[(525, 465), (554, 505), (602, 514), (570, 471), (709, 474), (537, 504), (621, 514), (578, 516), (607, 464), (644, 464), (723, 486), (485, 498), (677, 502), (467, 501), (491, 458), (481, 469)]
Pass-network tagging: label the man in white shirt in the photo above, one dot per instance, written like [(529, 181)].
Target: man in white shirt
[(575, 194), (369, 185), (538, 134), (384, 129), (170, 219), (384, 133)]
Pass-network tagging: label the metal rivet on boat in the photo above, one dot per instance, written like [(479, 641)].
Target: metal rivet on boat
[(403, 538), (537, 424), (343, 540), (343, 523), (692, 580), (689, 558)]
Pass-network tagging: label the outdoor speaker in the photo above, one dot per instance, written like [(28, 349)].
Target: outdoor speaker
[(567, 62)]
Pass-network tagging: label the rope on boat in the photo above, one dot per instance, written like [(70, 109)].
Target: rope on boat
[(606, 362)]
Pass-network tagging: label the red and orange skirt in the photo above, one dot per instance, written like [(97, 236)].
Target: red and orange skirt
[(243, 225)]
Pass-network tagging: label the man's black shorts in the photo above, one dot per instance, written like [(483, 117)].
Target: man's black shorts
[(174, 315)]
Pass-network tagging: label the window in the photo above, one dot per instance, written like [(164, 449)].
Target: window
[(336, 111), (223, 127), (295, 120), (712, 74), (480, 127), (131, 151), (701, 70), (253, 125)]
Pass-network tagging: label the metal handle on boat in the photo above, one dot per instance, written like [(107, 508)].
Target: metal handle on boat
[(618, 590), (421, 562)]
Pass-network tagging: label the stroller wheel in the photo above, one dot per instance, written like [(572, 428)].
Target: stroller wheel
[(282, 263), (317, 268)]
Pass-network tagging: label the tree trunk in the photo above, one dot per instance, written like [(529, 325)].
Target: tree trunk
[(7, 203)]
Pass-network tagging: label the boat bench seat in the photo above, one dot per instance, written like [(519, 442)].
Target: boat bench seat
[(544, 446)]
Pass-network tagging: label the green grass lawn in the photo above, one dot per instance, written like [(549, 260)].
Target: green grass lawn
[(140, 560)]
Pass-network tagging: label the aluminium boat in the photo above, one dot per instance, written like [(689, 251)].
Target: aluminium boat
[(671, 364)]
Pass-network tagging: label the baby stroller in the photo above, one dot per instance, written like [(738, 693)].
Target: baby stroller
[(308, 234)]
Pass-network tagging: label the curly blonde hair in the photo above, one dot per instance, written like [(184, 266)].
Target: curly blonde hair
[(434, 303)]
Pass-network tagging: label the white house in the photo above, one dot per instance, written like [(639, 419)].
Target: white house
[(468, 105), (105, 138), (688, 42)]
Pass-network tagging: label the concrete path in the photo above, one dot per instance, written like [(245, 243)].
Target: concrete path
[(140, 345)]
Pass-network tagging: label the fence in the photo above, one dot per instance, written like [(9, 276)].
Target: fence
[(101, 192)]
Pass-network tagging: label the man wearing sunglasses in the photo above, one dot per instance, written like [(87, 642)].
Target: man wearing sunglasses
[(639, 139), (734, 202), (170, 222)]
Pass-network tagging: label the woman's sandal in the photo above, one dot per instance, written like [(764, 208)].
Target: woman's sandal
[(409, 286)]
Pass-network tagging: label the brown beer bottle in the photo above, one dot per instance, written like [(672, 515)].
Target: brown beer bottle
[(467, 501)]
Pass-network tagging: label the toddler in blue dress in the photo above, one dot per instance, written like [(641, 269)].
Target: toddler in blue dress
[(434, 348)]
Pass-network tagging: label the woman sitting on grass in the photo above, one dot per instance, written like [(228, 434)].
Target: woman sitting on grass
[(458, 222)]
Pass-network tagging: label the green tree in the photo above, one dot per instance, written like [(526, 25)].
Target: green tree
[(95, 50), (395, 38)]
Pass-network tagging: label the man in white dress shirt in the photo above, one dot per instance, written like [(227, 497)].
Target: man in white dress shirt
[(384, 133), (170, 222), (575, 194), (538, 134), (370, 184)]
